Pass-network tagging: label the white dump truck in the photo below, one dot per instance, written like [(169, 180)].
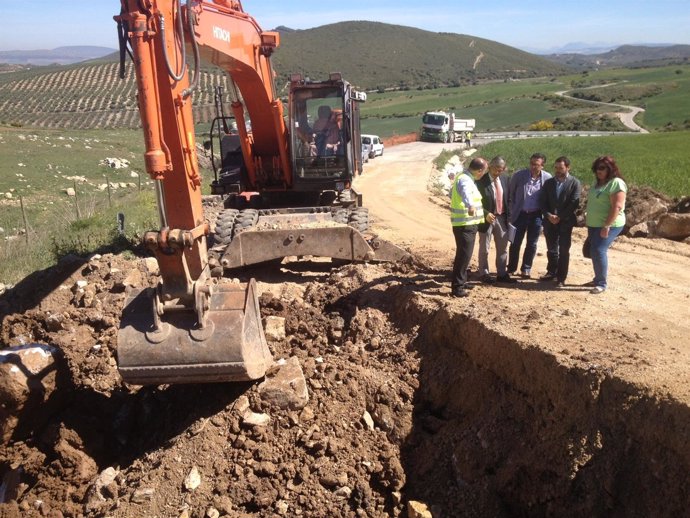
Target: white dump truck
[(445, 127)]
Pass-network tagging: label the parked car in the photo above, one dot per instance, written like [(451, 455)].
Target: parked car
[(374, 145)]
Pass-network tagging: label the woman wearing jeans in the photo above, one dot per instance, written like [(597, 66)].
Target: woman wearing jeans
[(605, 215)]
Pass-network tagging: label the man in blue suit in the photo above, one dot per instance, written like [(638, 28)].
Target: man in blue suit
[(525, 190)]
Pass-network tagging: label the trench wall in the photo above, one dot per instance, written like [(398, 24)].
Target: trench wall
[(508, 424)]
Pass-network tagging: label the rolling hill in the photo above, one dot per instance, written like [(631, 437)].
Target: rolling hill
[(379, 55), (626, 56), (59, 56), (371, 55)]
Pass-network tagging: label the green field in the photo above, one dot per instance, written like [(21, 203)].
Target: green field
[(659, 161), (502, 106), (670, 108), (38, 168), (40, 164)]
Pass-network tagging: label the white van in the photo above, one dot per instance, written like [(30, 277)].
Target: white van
[(373, 144)]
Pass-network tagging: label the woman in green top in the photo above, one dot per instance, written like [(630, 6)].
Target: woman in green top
[(605, 215)]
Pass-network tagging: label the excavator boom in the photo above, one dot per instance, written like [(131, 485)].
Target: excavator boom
[(188, 328)]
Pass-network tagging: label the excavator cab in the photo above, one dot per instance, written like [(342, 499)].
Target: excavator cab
[(325, 133)]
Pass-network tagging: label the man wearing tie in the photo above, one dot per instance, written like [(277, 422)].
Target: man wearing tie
[(494, 190), (559, 203)]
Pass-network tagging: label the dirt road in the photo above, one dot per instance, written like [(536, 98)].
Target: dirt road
[(627, 117), (394, 186), (637, 329)]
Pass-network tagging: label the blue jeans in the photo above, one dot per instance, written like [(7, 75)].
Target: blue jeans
[(530, 224), (600, 247)]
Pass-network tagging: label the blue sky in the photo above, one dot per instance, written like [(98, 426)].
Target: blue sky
[(527, 24)]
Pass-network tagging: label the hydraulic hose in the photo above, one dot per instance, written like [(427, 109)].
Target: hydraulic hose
[(190, 23), (123, 39), (179, 33)]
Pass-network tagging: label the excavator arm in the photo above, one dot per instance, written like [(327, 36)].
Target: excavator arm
[(189, 329)]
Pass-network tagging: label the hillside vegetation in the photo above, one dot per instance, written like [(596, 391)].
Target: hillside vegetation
[(407, 71), (379, 55), (370, 55), (626, 56)]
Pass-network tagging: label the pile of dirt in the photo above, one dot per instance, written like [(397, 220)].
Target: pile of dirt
[(399, 139), (115, 450), (649, 213), (410, 399)]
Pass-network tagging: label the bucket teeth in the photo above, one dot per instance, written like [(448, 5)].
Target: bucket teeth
[(230, 347)]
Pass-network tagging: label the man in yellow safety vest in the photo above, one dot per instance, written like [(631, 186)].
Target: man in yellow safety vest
[(466, 213)]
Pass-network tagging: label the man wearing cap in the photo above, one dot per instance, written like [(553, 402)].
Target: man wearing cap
[(466, 213)]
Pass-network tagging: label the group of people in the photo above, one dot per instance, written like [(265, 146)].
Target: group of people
[(484, 201)]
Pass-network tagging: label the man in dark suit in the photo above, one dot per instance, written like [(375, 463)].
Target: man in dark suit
[(560, 200), (493, 187)]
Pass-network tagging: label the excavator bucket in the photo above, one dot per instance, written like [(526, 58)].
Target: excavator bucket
[(174, 349)]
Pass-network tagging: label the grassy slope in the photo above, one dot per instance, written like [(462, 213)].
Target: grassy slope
[(655, 160), (373, 54), (671, 106), (38, 166)]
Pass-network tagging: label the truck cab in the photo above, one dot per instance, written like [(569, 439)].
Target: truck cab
[(444, 127)]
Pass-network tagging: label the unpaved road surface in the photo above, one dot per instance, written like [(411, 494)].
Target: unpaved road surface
[(627, 117), (638, 328), (519, 401)]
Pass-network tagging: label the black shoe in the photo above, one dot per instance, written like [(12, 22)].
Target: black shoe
[(459, 292), (487, 279), (507, 279), (548, 277), (468, 286), (525, 274)]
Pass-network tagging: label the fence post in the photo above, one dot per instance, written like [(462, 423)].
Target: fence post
[(76, 201), (26, 223), (107, 182)]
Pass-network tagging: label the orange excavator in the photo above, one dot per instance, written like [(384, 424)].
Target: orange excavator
[(286, 180)]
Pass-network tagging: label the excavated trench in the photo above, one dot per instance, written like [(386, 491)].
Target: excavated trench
[(411, 398), (508, 429)]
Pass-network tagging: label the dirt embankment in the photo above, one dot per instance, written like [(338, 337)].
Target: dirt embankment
[(521, 401)]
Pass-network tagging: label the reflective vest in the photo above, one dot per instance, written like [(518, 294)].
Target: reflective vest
[(459, 217)]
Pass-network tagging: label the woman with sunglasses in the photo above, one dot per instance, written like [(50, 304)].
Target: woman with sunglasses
[(605, 216)]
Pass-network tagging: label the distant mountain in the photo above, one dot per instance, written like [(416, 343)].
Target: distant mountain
[(57, 56), (626, 56), (576, 47), (379, 55), (283, 29)]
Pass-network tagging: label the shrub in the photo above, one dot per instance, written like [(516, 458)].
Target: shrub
[(542, 125)]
